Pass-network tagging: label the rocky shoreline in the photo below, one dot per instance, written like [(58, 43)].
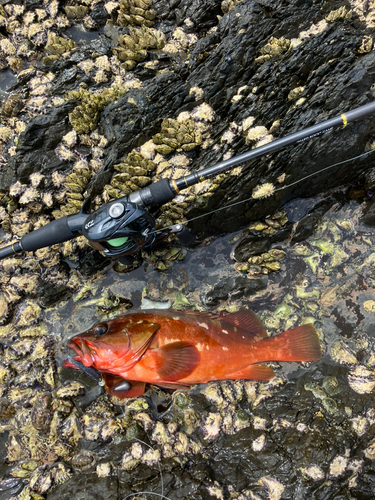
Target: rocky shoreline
[(112, 96)]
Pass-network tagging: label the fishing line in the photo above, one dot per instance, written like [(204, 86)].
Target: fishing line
[(161, 475), (274, 190), (146, 493)]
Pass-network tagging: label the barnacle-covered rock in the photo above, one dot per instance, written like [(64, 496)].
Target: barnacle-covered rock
[(133, 47), (135, 172), (57, 45), (227, 5), (135, 12), (85, 116), (273, 48), (44, 478), (177, 135), (27, 313), (162, 258), (180, 44), (98, 421), (260, 263), (76, 11)]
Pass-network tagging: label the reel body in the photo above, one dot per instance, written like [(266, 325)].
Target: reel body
[(119, 228)]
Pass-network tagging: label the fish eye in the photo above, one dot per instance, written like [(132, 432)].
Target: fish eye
[(100, 329)]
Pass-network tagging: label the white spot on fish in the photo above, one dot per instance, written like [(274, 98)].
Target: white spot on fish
[(207, 347), (224, 331), (200, 347), (225, 348), (243, 337), (203, 325), (176, 319)]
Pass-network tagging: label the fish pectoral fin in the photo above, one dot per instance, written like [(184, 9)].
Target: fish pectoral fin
[(111, 382), (175, 361), (253, 372), (246, 320)]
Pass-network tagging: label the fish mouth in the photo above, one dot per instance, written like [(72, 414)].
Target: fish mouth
[(83, 351)]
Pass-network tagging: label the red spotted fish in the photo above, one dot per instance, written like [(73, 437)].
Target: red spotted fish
[(176, 349)]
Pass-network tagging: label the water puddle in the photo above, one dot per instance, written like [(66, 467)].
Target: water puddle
[(79, 34), (7, 79)]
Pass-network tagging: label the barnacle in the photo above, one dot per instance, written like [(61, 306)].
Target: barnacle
[(27, 314), (135, 171), (227, 5), (273, 48), (263, 190), (57, 45), (133, 47), (76, 11), (12, 105), (366, 45), (177, 135), (135, 12), (84, 117)]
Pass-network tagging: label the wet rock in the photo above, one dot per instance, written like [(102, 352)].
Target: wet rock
[(368, 217), (233, 288), (10, 486), (250, 245), (88, 486), (308, 223), (36, 146)]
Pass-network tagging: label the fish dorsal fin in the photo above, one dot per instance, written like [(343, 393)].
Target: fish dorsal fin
[(175, 361), (246, 320), (112, 381)]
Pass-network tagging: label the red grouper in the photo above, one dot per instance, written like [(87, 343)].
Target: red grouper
[(176, 349)]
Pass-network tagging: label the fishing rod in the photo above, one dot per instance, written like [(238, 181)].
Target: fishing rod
[(121, 227)]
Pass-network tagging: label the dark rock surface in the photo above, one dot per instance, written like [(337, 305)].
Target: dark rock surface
[(36, 146)]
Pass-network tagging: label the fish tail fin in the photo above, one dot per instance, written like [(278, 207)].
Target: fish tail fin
[(300, 344)]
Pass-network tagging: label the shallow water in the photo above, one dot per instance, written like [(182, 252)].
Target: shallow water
[(7, 79), (79, 34)]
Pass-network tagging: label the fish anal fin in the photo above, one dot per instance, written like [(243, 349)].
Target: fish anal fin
[(246, 320), (175, 361), (253, 372), (112, 381)]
